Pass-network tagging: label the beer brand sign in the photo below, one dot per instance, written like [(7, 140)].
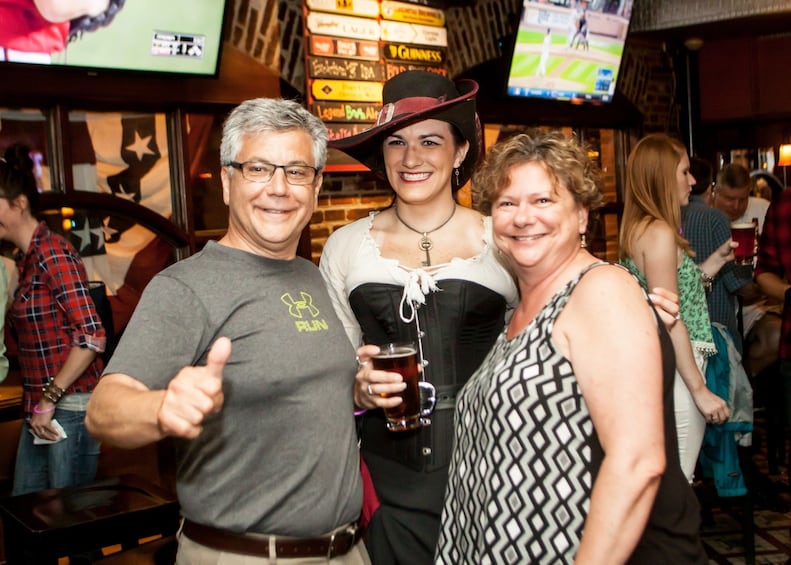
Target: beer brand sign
[(346, 111), (393, 69), (353, 47), (414, 33), (339, 131), (343, 26), (360, 8), (412, 13), (414, 53), (346, 48), (326, 67), (355, 90)]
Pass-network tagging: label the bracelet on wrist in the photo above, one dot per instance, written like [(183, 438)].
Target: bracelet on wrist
[(52, 398), (52, 391), (36, 410), (707, 280)]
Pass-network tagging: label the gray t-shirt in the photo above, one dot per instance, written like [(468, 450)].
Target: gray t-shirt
[(281, 456)]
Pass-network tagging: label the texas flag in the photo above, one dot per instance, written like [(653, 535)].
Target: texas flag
[(124, 155)]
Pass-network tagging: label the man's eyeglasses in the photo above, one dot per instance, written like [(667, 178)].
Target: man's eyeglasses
[(261, 171)]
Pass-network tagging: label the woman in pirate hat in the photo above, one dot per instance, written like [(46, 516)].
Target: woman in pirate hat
[(424, 270)]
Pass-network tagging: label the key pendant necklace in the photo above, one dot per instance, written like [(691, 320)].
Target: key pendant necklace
[(425, 242)]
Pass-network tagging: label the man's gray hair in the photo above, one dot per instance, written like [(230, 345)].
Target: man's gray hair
[(258, 115)]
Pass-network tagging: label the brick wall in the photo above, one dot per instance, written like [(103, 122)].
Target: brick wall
[(651, 84), (255, 30), (335, 211), (474, 32)]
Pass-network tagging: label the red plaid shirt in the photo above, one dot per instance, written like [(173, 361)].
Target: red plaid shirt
[(53, 312), (774, 256)]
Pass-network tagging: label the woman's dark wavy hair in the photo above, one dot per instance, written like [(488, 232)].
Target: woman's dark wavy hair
[(16, 175), (80, 25)]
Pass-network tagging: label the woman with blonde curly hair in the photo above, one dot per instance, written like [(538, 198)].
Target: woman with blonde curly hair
[(564, 447)]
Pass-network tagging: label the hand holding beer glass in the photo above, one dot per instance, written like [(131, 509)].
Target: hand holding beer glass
[(417, 399), (745, 234)]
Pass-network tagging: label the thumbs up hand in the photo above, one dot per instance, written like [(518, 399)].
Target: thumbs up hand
[(194, 393)]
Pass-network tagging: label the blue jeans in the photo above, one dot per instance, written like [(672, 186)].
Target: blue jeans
[(69, 462)]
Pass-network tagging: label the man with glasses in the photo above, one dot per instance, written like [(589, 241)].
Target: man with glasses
[(238, 355)]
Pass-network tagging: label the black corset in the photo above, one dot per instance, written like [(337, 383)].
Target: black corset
[(460, 324)]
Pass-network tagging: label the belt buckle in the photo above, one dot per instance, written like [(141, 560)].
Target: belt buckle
[(330, 546), (351, 531)]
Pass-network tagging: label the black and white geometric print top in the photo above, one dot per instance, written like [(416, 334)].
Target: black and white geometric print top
[(525, 455)]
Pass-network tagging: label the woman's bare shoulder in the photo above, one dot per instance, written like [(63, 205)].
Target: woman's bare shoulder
[(469, 214), (657, 233), (659, 228)]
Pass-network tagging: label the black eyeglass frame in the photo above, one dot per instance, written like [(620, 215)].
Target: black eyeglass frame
[(240, 167)]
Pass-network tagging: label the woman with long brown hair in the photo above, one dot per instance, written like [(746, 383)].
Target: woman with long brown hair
[(658, 183)]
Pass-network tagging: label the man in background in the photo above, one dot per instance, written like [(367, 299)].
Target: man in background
[(707, 229), (732, 196)]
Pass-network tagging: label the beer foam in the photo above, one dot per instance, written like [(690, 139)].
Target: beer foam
[(397, 352)]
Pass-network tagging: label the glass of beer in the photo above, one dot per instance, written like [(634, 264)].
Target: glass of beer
[(744, 234), (402, 358)]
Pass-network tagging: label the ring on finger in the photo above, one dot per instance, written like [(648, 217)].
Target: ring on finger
[(370, 392)]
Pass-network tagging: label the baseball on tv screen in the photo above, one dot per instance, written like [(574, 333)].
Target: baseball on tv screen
[(165, 36), (569, 50)]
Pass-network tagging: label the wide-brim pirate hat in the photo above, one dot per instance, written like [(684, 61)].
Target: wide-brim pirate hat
[(413, 96)]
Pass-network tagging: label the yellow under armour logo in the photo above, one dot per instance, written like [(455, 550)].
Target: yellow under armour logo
[(296, 307)]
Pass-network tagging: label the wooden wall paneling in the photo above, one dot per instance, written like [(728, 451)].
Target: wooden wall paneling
[(773, 81), (727, 79)]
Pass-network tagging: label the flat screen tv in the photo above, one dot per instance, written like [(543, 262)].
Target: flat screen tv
[(568, 50), (164, 36)]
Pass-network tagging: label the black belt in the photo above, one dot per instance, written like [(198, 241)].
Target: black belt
[(446, 397), (328, 546)]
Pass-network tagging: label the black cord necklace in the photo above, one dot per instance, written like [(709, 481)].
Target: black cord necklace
[(425, 242)]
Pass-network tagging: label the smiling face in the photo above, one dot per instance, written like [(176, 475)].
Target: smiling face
[(267, 218), (536, 224), (420, 158), (684, 180)]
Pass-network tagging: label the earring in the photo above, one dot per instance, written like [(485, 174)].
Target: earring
[(583, 241), (457, 172)]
